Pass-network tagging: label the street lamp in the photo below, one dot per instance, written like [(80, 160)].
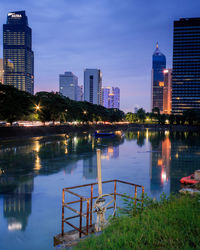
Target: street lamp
[(37, 107), (85, 112)]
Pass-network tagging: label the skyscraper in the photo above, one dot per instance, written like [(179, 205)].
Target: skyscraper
[(92, 86), (167, 91), (1, 70), (111, 97), (186, 65), (69, 85), (158, 65), (18, 56)]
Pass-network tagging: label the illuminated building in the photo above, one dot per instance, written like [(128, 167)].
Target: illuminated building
[(92, 86), (18, 56), (186, 65), (69, 86), (111, 97), (158, 65), (1, 70), (167, 91)]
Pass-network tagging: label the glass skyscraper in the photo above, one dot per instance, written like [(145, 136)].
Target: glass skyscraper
[(186, 65), (18, 56), (92, 86), (158, 66)]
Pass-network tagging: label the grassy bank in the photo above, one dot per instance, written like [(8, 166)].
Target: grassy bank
[(173, 224)]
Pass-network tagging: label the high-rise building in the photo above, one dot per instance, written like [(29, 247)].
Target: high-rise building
[(1, 71), (167, 91), (68, 85), (79, 93), (111, 97), (92, 86), (186, 65), (158, 65), (18, 58)]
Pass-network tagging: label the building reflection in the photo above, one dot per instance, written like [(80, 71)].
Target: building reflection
[(185, 157), (18, 205), (110, 152), (90, 167), (160, 165), (21, 161)]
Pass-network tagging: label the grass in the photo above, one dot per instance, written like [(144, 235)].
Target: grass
[(170, 224)]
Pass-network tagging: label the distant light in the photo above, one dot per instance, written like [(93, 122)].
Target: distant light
[(15, 226), (161, 84), (37, 107), (165, 71), (163, 176)]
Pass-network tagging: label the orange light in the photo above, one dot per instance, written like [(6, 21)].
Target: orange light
[(161, 84), (160, 162)]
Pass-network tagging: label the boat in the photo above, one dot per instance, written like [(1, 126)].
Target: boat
[(189, 180), (104, 134)]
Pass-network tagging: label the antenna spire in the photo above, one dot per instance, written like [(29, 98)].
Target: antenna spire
[(157, 45)]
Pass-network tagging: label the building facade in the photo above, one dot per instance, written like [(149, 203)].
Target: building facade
[(167, 91), (92, 86), (158, 66), (68, 85), (186, 65), (111, 97), (18, 57), (1, 71), (79, 93)]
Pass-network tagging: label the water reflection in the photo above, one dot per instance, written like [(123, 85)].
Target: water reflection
[(172, 155)]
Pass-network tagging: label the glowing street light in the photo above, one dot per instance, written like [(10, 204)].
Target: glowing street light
[(37, 107), (85, 112)]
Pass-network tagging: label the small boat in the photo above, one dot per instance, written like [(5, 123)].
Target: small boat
[(104, 134), (189, 180)]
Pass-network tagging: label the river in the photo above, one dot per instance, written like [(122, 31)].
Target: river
[(33, 172)]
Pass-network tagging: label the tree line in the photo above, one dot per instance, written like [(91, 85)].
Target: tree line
[(191, 117), (50, 106)]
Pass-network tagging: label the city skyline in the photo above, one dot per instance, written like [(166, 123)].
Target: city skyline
[(115, 37)]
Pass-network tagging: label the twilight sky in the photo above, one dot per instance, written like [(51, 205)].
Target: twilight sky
[(116, 36)]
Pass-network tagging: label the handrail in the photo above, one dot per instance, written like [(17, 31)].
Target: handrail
[(89, 203)]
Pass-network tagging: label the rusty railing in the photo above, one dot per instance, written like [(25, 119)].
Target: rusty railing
[(89, 205)]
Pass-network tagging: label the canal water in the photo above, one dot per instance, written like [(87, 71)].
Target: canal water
[(33, 172)]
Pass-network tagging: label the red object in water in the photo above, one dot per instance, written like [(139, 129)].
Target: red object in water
[(189, 180)]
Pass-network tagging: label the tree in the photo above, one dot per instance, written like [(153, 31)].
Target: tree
[(14, 104), (141, 115)]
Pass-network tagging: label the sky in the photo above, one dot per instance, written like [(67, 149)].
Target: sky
[(116, 36)]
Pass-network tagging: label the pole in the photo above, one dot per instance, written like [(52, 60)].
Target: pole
[(99, 171)]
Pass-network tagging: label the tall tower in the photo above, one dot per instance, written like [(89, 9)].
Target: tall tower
[(186, 65), (158, 65), (92, 86), (18, 58), (69, 85)]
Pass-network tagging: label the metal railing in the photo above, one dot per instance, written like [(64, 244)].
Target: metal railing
[(89, 204)]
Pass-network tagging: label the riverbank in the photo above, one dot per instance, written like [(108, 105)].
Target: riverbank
[(173, 224), (12, 132)]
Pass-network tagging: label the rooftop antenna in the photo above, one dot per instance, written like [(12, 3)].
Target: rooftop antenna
[(157, 45)]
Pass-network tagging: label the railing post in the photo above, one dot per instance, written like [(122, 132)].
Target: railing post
[(135, 197), (87, 218), (142, 197), (115, 188), (63, 201), (91, 202), (80, 225)]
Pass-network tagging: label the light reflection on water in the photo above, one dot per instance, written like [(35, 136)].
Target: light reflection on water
[(34, 171)]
